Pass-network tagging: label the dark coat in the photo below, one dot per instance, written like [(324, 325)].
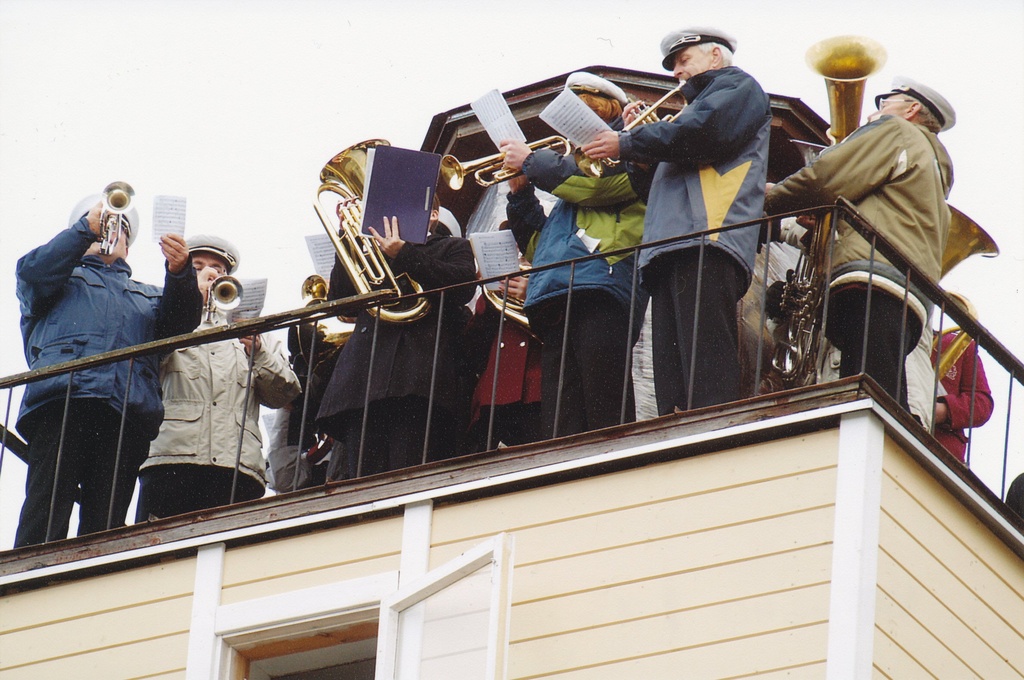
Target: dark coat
[(74, 305), (404, 354)]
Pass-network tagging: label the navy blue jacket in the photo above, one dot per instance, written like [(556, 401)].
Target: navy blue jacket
[(74, 305), (606, 209), (712, 162)]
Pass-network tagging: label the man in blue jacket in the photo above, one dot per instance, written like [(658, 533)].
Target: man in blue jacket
[(76, 302), (710, 166)]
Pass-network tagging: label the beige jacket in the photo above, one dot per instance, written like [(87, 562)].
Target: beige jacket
[(897, 174), (204, 389)]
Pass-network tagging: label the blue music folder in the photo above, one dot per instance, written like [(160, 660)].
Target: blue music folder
[(400, 183)]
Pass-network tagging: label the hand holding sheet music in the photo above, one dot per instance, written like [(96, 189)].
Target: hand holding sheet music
[(573, 119), (496, 254), (497, 118)]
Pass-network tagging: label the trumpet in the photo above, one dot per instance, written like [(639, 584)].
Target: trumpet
[(225, 294), (491, 170), (645, 114), (117, 200)]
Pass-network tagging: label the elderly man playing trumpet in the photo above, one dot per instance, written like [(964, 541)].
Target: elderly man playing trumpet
[(709, 165)]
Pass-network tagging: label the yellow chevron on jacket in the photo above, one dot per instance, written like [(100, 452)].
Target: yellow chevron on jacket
[(720, 193)]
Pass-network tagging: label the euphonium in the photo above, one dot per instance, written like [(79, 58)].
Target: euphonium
[(344, 175), (845, 62), (117, 200), (332, 336), (491, 170), (225, 294), (645, 114), (510, 306)]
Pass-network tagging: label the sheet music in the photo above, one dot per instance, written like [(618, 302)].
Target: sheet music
[(496, 254), (321, 251), (254, 294), (168, 216), (573, 119), (497, 118)]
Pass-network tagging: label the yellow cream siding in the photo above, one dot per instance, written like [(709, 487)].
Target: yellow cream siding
[(661, 561), (314, 559), (162, 657), (135, 622), (950, 593)]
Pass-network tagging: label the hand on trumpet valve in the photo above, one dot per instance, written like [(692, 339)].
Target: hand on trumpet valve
[(632, 111), (516, 153), (250, 342), (605, 145)]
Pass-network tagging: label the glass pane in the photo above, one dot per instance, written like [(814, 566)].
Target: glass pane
[(450, 630)]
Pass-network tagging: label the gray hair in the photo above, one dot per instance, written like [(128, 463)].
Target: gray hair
[(726, 52), (926, 118)]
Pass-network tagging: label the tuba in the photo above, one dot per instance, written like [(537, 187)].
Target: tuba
[(367, 268), (845, 62)]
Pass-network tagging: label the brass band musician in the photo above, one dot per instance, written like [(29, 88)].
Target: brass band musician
[(897, 173)]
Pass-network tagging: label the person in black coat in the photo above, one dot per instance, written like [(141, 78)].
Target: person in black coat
[(402, 368)]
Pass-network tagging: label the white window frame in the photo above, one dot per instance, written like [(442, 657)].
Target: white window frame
[(217, 630), (393, 651)]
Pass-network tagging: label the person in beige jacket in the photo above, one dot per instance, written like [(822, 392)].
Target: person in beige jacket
[(192, 462), (897, 173)]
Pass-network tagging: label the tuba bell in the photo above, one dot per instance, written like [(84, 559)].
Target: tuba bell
[(344, 175), (845, 62)]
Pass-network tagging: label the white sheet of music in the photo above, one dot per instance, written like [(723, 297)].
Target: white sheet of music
[(494, 114), (254, 294), (573, 119), (321, 251), (496, 254), (168, 216)]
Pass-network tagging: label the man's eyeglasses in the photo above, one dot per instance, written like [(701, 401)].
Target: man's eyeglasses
[(893, 100)]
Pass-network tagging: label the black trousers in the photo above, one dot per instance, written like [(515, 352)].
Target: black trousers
[(884, 358), (168, 490), (596, 355), (395, 430), (86, 471), (672, 279)]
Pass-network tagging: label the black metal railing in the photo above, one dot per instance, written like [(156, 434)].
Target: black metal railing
[(1006, 371)]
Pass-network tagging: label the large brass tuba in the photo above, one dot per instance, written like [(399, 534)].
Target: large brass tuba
[(344, 175), (845, 62)]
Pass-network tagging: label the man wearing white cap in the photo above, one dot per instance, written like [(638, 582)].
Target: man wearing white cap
[(202, 458), (77, 301), (709, 166), (593, 215), (898, 174)]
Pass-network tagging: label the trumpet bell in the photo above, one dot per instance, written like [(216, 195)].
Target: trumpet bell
[(314, 290), (117, 197), (226, 293)]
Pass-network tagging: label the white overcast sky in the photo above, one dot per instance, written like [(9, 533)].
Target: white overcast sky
[(237, 105)]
